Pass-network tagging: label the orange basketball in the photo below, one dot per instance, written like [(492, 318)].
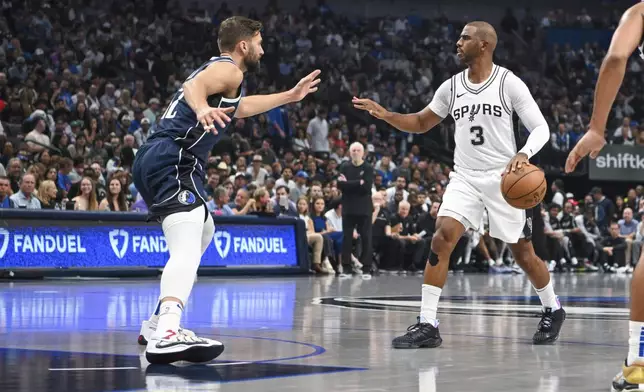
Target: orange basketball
[(524, 188)]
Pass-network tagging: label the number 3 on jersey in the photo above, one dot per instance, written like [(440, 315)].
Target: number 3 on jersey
[(476, 136)]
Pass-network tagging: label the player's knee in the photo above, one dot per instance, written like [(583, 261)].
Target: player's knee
[(443, 242), (525, 257)]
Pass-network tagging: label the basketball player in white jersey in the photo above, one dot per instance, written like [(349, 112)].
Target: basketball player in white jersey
[(481, 100), (627, 38)]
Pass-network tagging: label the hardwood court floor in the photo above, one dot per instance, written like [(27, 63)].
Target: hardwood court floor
[(314, 334)]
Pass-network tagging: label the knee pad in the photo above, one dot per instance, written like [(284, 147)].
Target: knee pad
[(433, 259)]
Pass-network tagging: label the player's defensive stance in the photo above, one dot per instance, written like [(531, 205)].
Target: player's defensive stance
[(481, 100), (169, 173), (626, 39)]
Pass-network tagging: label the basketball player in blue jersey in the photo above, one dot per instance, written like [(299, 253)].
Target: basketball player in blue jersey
[(627, 38), (169, 173)]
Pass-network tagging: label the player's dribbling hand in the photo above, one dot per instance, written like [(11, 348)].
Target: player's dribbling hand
[(209, 116), (592, 143), (369, 106), (517, 162)]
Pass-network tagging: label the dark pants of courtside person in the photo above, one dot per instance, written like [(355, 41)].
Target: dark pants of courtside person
[(362, 224)]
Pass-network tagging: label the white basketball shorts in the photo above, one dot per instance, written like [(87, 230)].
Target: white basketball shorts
[(471, 192)]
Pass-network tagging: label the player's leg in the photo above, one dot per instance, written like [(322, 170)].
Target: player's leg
[(553, 314), (515, 227), (461, 206), (187, 235), (149, 326), (631, 378)]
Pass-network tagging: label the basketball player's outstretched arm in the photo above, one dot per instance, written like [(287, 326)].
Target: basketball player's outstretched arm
[(218, 78), (419, 122), (611, 75), (256, 104), (524, 105)]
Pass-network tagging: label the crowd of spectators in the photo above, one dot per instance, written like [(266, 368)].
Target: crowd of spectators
[(82, 90)]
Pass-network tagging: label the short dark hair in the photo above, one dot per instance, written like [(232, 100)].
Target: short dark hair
[(285, 189), (235, 29)]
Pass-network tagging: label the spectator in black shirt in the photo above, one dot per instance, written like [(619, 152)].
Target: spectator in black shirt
[(612, 250), (355, 182), (407, 239), (604, 209), (381, 231)]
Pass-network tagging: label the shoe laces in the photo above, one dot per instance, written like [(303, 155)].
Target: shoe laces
[(416, 329), (546, 320)]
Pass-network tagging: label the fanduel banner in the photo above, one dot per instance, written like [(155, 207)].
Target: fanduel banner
[(618, 163), (137, 245)]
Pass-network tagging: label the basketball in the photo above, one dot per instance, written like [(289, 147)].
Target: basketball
[(524, 188)]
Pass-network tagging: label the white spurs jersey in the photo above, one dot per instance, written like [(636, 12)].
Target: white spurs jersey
[(482, 114)]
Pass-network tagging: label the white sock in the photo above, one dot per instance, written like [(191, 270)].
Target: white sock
[(169, 320), (635, 343), (548, 297), (429, 304)]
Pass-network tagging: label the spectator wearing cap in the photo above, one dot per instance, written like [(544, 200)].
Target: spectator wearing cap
[(136, 121), (604, 209), (25, 197), (124, 122), (256, 172), (301, 180), (223, 170), (153, 110), (141, 135), (241, 181), (37, 140)]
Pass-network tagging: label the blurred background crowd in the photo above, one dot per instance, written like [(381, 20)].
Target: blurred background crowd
[(81, 90)]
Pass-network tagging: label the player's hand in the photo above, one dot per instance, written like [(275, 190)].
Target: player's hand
[(209, 116), (342, 178), (306, 86), (370, 106), (592, 142), (517, 162)]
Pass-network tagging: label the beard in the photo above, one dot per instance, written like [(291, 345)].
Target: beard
[(251, 62)]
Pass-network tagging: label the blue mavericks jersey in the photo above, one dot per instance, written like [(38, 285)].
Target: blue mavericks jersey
[(179, 122)]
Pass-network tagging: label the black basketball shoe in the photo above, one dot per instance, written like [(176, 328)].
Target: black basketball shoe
[(419, 335), (549, 326)]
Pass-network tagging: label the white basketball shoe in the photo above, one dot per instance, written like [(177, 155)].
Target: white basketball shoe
[(175, 347), (149, 326)]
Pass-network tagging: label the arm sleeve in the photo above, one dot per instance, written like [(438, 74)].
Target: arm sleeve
[(442, 100), (522, 102)]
